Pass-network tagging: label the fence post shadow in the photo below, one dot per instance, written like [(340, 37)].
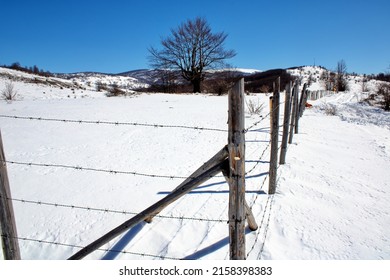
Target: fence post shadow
[(212, 248), (123, 242)]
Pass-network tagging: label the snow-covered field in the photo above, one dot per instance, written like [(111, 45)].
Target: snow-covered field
[(332, 199)]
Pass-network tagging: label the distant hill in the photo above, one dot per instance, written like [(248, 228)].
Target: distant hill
[(216, 81)]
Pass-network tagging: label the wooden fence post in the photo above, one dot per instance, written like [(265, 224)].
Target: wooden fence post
[(7, 219), (296, 121), (293, 112), (274, 138), (236, 146), (249, 214), (303, 100), (286, 120)]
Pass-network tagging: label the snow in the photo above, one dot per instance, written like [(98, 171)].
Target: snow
[(242, 70), (332, 195)]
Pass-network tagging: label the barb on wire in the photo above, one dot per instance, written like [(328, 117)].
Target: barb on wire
[(113, 123), (100, 249), (105, 210)]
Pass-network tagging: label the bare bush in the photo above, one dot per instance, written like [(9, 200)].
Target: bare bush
[(255, 108), (115, 90), (384, 93), (101, 86), (9, 93), (329, 109)]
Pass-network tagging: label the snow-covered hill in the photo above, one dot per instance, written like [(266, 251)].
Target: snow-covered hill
[(315, 77), (332, 195), (93, 80)]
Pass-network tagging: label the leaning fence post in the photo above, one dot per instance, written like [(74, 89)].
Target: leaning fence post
[(286, 120), (7, 219), (236, 146), (274, 137)]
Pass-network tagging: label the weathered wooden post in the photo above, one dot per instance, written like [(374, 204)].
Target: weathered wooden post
[(236, 146), (296, 121), (303, 100), (293, 110), (274, 137), (286, 120), (7, 219)]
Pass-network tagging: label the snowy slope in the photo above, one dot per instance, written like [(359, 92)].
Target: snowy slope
[(135, 79), (331, 202), (313, 76), (334, 191), (91, 80)]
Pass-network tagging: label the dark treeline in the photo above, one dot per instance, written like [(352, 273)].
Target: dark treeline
[(31, 70), (263, 81), (381, 77)]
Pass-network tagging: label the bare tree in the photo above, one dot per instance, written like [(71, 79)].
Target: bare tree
[(341, 70), (191, 48)]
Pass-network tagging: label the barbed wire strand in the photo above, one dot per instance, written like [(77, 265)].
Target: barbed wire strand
[(117, 123), (105, 210), (81, 247), (112, 171), (80, 168)]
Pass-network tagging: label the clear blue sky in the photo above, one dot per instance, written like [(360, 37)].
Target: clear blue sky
[(113, 36)]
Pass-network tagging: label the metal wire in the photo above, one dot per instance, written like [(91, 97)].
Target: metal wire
[(113, 123), (105, 210), (110, 171), (80, 247)]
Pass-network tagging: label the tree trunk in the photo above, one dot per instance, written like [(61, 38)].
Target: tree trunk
[(196, 84)]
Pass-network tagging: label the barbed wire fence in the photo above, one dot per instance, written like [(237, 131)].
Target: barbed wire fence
[(253, 128)]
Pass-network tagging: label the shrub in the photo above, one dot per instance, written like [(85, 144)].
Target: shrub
[(255, 108), (9, 93), (384, 93), (329, 109), (115, 90), (101, 87)]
